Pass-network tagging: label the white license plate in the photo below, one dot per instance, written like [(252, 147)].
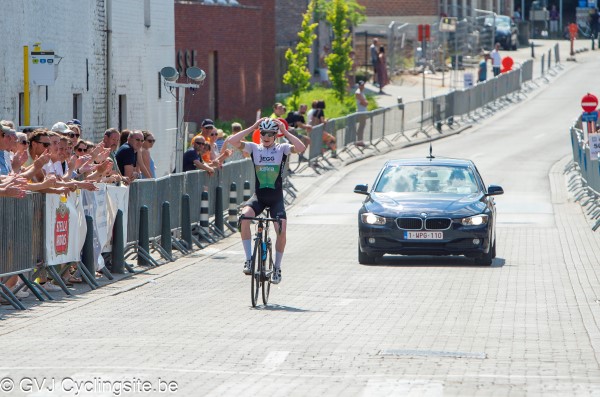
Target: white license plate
[(423, 235)]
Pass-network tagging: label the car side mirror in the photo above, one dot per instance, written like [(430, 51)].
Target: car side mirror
[(494, 190), (361, 189)]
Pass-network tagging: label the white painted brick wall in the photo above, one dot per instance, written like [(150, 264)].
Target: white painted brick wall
[(77, 31)]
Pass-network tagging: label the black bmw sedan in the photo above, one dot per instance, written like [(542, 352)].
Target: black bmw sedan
[(428, 206)]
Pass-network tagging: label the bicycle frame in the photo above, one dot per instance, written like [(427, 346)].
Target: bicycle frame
[(262, 259)]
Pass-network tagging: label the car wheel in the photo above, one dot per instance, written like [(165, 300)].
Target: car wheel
[(486, 259), (494, 249), (364, 258)]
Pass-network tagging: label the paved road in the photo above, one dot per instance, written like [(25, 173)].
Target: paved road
[(528, 325)]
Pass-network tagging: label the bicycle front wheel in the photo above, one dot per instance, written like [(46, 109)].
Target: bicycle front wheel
[(255, 274), (268, 269)]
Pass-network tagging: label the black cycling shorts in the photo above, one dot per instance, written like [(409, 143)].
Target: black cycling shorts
[(275, 205)]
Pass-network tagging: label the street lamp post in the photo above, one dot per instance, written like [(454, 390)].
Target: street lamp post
[(170, 75)]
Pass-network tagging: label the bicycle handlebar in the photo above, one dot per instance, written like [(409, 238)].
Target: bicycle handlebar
[(260, 218)]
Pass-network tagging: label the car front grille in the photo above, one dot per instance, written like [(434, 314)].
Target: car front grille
[(437, 223), (410, 223), (417, 223)]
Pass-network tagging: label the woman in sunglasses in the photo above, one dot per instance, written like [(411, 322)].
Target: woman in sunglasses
[(81, 148), (147, 167), (269, 160)]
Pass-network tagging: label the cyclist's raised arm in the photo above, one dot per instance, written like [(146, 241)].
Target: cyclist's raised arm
[(297, 145), (237, 140)]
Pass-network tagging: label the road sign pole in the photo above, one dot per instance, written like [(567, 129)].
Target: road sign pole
[(443, 57)]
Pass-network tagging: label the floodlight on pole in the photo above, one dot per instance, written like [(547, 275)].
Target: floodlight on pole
[(196, 74), (170, 76), (169, 73)]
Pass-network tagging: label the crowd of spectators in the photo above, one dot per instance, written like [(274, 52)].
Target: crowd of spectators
[(59, 160)]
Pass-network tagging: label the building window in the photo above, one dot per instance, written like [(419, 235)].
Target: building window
[(147, 21), (122, 112), (77, 106)]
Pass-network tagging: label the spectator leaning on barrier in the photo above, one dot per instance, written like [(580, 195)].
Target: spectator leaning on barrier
[(123, 138), (74, 135), (20, 152), (54, 166), (235, 128), (278, 111), (111, 141), (206, 129), (297, 122), (146, 162), (9, 136), (220, 139), (127, 155), (192, 158)]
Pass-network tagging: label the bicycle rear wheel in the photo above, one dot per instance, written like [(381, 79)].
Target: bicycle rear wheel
[(268, 270), (255, 274)]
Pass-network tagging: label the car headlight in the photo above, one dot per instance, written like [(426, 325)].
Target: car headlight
[(475, 220), (372, 219)]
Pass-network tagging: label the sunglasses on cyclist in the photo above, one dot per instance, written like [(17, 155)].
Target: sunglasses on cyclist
[(72, 135), (150, 140), (45, 144), (268, 134), (81, 150)]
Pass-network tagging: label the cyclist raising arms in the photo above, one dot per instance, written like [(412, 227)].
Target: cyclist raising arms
[(269, 160)]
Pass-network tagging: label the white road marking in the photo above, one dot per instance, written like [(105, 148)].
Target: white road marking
[(274, 359)]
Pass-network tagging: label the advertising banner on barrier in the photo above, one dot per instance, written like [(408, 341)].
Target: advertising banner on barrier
[(102, 205), (94, 205), (65, 228)]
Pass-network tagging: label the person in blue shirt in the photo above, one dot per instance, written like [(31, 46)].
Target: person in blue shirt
[(482, 74)]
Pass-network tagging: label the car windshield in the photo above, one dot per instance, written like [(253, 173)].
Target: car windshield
[(427, 179), (501, 21)]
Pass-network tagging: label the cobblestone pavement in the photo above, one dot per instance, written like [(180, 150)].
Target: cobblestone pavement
[(528, 325)]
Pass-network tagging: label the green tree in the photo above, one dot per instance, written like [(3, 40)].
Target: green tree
[(356, 12), (297, 75), (338, 61)]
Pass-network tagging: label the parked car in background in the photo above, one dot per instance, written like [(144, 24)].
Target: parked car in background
[(428, 206), (507, 32)]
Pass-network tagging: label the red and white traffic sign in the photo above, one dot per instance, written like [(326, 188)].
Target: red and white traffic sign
[(589, 103)]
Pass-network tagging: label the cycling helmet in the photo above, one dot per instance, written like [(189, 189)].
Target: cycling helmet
[(268, 125)]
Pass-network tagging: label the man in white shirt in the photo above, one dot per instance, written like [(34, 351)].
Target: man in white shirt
[(496, 60)]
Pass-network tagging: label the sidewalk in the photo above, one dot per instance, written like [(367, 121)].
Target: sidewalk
[(410, 87)]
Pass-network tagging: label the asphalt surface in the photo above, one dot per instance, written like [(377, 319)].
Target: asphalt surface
[(527, 325)]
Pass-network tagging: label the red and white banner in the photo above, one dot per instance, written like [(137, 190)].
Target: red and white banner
[(65, 228)]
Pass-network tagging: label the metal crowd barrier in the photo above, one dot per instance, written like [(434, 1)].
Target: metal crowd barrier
[(154, 192), (584, 182), (19, 225)]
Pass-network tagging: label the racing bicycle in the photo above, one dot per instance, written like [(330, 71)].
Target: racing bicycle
[(262, 259)]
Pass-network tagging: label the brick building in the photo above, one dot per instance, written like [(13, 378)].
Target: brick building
[(420, 11), (234, 44)]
